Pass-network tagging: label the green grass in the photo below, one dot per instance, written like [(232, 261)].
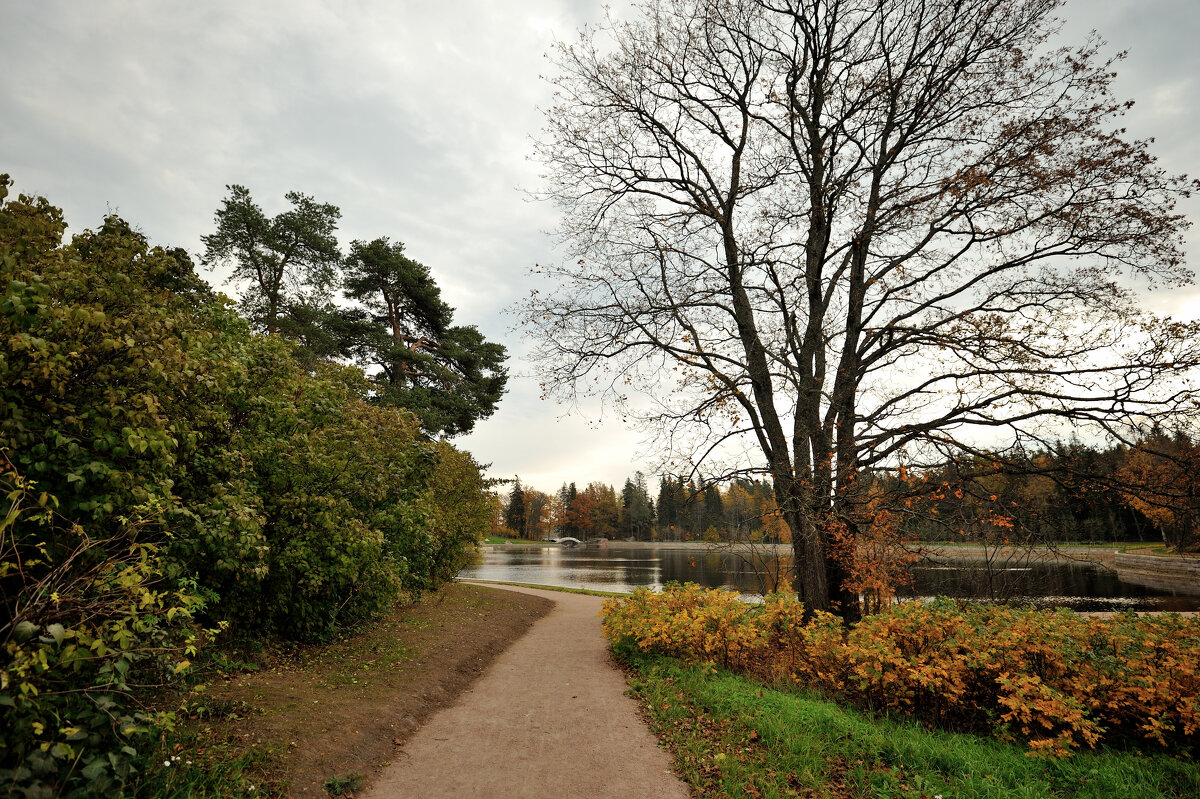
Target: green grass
[(190, 767), (733, 737), (499, 539), (344, 785), (1158, 550)]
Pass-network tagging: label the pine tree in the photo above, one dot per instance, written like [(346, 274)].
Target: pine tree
[(566, 496), (714, 507), (514, 516)]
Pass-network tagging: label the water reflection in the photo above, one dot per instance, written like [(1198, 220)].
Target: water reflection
[(623, 568), (1053, 585)]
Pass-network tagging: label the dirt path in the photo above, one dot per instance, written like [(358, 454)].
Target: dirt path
[(310, 713), (549, 718)]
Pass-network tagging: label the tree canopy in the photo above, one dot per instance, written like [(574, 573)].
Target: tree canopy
[(398, 329), (449, 376), (855, 236), (284, 262)]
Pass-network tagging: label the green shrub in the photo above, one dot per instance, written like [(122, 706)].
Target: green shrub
[(167, 470), (92, 623), (301, 504), (342, 486), (460, 509), (115, 388)]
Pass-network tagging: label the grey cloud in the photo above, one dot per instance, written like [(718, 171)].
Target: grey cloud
[(414, 118)]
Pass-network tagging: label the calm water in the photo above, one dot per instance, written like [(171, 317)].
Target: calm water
[(619, 568)]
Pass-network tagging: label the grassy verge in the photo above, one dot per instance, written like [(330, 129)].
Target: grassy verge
[(525, 542), (312, 721), (1158, 550), (733, 737), (195, 764)]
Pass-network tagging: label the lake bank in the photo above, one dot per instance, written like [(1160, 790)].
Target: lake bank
[(1170, 572)]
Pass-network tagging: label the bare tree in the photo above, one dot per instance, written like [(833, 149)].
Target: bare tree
[(850, 234)]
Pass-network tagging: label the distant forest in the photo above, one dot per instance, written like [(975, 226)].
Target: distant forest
[(1146, 492)]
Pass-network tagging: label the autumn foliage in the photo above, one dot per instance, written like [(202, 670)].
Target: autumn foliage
[(876, 555), (1162, 479), (1054, 680)]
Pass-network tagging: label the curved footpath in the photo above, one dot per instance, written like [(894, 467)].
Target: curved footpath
[(549, 718)]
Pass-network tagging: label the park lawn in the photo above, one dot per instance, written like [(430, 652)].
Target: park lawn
[(500, 539), (734, 737)]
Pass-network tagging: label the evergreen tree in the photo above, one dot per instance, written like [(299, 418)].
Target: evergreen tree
[(714, 507), (450, 376), (514, 516), (627, 501), (567, 495), (399, 331), (670, 506), (637, 509), (287, 262)]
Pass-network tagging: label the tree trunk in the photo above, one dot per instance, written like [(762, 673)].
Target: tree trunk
[(808, 546), (820, 577)]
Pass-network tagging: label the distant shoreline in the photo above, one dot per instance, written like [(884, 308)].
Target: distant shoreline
[(1160, 571)]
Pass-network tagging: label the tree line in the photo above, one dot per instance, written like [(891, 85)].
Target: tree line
[(172, 468), (1071, 492)]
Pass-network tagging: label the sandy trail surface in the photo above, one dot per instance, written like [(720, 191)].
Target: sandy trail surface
[(549, 718)]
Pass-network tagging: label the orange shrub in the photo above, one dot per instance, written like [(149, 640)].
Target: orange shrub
[(1055, 680), (687, 622)]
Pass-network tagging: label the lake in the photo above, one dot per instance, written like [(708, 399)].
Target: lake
[(622, 568)]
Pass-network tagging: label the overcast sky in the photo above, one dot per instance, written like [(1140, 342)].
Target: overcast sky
[(414, 118)]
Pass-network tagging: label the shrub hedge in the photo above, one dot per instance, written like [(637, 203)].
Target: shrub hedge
[(1055, 680), (168, 472)]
